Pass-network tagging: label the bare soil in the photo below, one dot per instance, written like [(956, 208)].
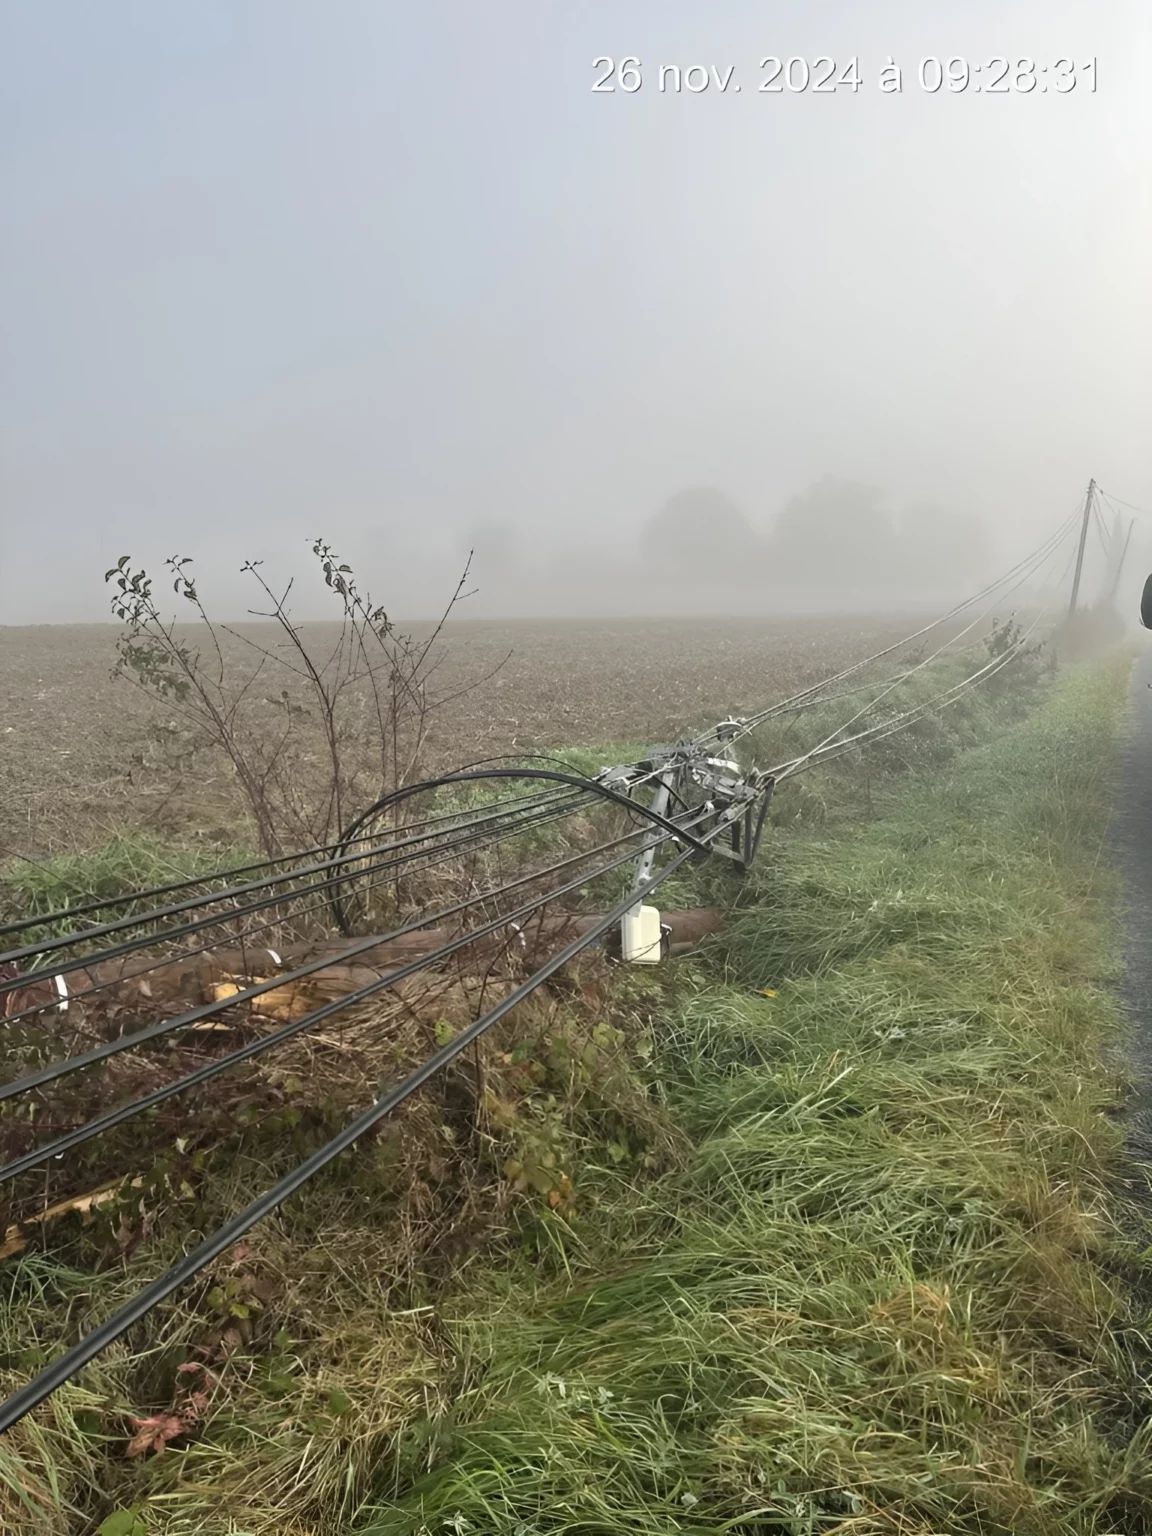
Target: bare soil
[(84, 757)]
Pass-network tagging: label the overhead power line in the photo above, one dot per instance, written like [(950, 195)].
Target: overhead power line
[(719, 808), (1128, 505), (1026, 565)]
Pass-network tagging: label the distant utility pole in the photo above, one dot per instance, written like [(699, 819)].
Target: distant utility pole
[(1083, 540)]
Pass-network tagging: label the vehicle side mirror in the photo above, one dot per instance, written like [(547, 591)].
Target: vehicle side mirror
[(1146, 604)]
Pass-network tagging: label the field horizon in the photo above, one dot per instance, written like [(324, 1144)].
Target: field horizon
[(84, 757)]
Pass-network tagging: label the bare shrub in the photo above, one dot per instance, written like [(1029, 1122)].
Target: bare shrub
[(313, 732)]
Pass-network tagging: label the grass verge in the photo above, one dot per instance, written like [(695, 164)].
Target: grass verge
[(129, 862), (847, 1253), (888, 1290)]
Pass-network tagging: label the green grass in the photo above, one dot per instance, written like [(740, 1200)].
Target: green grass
[(883, 1292), (851, 1257), (127, 863)]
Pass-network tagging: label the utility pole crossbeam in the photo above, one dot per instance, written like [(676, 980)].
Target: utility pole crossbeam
[(1088, 500), (716, 796), (640, 937)]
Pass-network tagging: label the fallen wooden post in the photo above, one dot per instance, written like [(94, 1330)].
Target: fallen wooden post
[(197, 978)]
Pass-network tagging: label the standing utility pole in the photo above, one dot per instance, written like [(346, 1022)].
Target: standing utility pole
[(1080, 551)]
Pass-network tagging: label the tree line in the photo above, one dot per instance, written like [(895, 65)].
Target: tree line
[(837, 538)]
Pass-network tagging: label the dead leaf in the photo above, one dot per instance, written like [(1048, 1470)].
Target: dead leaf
[(154, 1433)]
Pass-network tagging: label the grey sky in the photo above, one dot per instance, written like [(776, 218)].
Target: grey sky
[(385, 270)]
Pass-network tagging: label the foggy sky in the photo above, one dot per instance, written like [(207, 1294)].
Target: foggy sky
[(389, 271)]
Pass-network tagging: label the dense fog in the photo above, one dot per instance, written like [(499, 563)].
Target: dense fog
[(399, 276)]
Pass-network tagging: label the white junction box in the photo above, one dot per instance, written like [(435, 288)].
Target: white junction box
[(640, 938)]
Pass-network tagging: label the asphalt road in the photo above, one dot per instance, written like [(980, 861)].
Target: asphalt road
[(1132, 844)]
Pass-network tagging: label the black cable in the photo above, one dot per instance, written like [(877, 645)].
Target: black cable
[(830, 741), (83, 1133), (248, 937), (1100, 533), (906, 718), (175, 909), (473, 846), (62, 914), (1036, 556), (131, 946), (1131, 506), (219, 1242), (103, 903), (206, 1010)]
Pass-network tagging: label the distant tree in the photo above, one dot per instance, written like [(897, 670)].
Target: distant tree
[(700, 531), (835, 539)]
